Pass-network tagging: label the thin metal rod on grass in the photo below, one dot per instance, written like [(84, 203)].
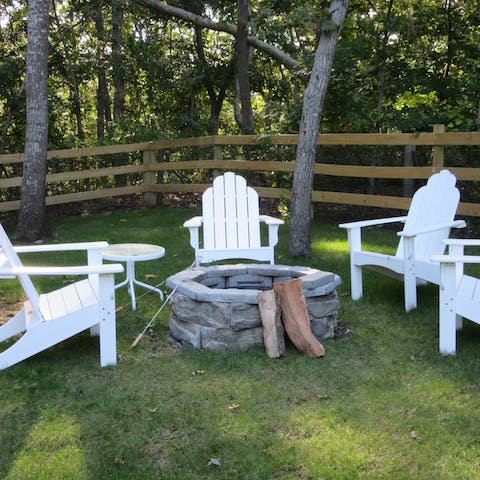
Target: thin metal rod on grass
[(150, 323)]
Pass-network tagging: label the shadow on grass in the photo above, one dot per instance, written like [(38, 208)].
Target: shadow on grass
[(382, 404)]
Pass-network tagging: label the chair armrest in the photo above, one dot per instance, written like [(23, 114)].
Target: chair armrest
[(195, 222), (466, 242), (74, 270), (370, 223), (61, 247), (270, 220), (433, 228), (456, 258)]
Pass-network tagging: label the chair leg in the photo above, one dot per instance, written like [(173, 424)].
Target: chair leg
[(459, 323), (448, 334), (354, 236), (410, 291), (356, 281), (107, 324), (448, 316), (409, 274)]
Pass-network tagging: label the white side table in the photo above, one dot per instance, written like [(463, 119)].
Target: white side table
[(131, 253)]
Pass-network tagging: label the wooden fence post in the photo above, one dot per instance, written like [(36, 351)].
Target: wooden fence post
[(149, 178), (438, 151)]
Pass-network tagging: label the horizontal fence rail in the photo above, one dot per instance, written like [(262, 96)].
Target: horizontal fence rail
[(153, 162)]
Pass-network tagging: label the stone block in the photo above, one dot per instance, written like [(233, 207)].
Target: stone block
[(229, 340), (226, 270), (324, 327), (185, 332), (210, 314), (257, 282), (317, 279), (244, 316), (323, 289), (323, 306), (214, 282), (227, 295)]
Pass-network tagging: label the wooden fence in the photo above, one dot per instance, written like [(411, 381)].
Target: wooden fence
[(149, 169)]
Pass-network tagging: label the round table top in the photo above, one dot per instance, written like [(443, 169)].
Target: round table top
[(132, 251)]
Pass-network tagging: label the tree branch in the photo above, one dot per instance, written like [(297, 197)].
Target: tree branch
[(274, 52)]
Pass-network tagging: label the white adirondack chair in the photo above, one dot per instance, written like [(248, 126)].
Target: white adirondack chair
[(459, 293), (47, 319), (231, 223), (429, 220)]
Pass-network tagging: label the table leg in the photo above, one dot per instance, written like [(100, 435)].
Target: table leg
[(130, 280), (150, 287)]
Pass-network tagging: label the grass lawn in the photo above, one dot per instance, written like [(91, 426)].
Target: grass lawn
[(381, 404)]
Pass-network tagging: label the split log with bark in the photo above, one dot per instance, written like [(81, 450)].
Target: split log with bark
[(286, 303)]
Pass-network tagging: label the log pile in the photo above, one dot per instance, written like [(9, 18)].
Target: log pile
[(284, 309)]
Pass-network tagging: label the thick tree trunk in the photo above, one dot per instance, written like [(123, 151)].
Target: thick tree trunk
[(32, 218), (313, 99), (244, 115)]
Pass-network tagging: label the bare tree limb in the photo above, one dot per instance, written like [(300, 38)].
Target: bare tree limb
[(274, 52)]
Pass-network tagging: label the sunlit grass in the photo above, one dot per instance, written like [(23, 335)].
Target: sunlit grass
[(382, 404)]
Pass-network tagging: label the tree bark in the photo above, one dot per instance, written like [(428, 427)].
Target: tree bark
[(104, 112), (313, 100), (244, 116), (117, 60), (70, 75), (32, 217), (295, 318), (118, 76)]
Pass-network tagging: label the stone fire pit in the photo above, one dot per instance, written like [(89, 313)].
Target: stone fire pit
[(216, 307)]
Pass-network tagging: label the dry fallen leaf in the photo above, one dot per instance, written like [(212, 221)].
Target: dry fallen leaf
[(234, 406), (215, 462), (414, 436), (150, 275)]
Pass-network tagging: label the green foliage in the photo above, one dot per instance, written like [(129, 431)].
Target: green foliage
[(402, 68)]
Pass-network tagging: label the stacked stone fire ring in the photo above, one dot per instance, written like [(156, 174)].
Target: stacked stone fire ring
[(216, 307)]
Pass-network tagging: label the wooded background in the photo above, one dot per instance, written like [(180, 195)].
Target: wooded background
[(128, 72), (123, 73)]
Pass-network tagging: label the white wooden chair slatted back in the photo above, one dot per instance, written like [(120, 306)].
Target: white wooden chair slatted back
[(231, 214), (433, 204), (24, 279)]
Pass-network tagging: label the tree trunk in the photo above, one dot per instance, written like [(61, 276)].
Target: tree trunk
[(104, 113), (244, 116), (216, 100), (32, 217), (313, 99), (118, 74), (117, 60), (70, 74)]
